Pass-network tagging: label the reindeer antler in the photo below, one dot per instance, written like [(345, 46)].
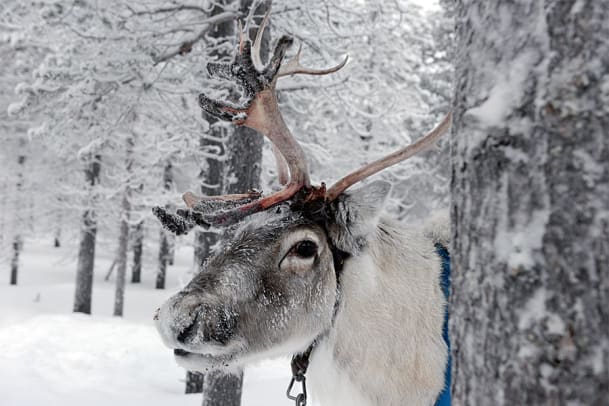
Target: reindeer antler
[(260, 111), (398, 156)]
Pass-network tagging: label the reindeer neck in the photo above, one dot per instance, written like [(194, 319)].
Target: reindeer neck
[(386, 325)]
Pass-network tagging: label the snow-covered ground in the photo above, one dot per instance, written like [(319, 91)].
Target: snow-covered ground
[(50, 356)]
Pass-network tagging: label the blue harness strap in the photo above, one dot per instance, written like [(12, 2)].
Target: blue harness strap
[(444, 398)]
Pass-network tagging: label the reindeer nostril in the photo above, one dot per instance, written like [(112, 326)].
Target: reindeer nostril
[(189, 330)]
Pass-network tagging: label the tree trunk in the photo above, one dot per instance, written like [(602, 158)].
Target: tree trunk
[(17, 246), (222, 390), (245, 150), (121, 258), (211, 177), (58, 227), (530, 293), (86, 251), (138, 248), (18, 219), (123, 237), (164, 249), (172, 250), (194, 382), (163, 260)]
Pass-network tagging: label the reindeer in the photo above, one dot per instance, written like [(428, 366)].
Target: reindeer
[(308, 271)]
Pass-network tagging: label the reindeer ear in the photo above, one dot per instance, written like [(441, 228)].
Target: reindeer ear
[(355, 215)]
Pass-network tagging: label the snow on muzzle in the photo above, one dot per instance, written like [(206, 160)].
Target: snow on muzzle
[(187, 323)]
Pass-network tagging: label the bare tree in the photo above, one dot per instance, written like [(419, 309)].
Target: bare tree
[(530, 191)]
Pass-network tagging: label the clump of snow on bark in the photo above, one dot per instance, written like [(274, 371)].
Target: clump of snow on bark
[(516, 245), (555, 325), (14, 109), (534, 310), (592, 171), (90, 148), (506, 93), (604, 88)]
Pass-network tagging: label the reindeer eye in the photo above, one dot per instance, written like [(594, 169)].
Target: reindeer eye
[(304, 249)]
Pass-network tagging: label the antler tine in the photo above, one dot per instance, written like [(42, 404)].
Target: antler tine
[(241, 36), (283, 172), (392, 159), (293, 67), (256, 58), (259, 111), (193, 200)]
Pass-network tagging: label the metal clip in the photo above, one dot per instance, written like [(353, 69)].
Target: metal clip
[(301, 398)]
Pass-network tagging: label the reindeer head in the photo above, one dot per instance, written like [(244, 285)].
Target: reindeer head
[(272, 286)]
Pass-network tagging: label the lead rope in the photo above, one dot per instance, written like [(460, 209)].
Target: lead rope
[(300, 363)]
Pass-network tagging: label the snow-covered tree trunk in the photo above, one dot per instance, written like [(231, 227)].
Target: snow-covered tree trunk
[(172, 251), (530, 209), (138, 249), (86, 251), (123, 236), (164, 236), (222, 390), (121, 258), (17, 244)]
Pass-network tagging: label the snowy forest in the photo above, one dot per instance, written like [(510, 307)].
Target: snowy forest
[(100, 122)]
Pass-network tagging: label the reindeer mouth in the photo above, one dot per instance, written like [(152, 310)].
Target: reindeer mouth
[(181, 353), (205, 344), (203, 362)]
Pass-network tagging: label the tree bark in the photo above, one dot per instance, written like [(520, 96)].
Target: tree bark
[(530, 187), (194, 382), (138, 249), (17, 246), (222, 390), (123, 237), (163, 260), (172, 251), (164, 248), (86, 251)]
